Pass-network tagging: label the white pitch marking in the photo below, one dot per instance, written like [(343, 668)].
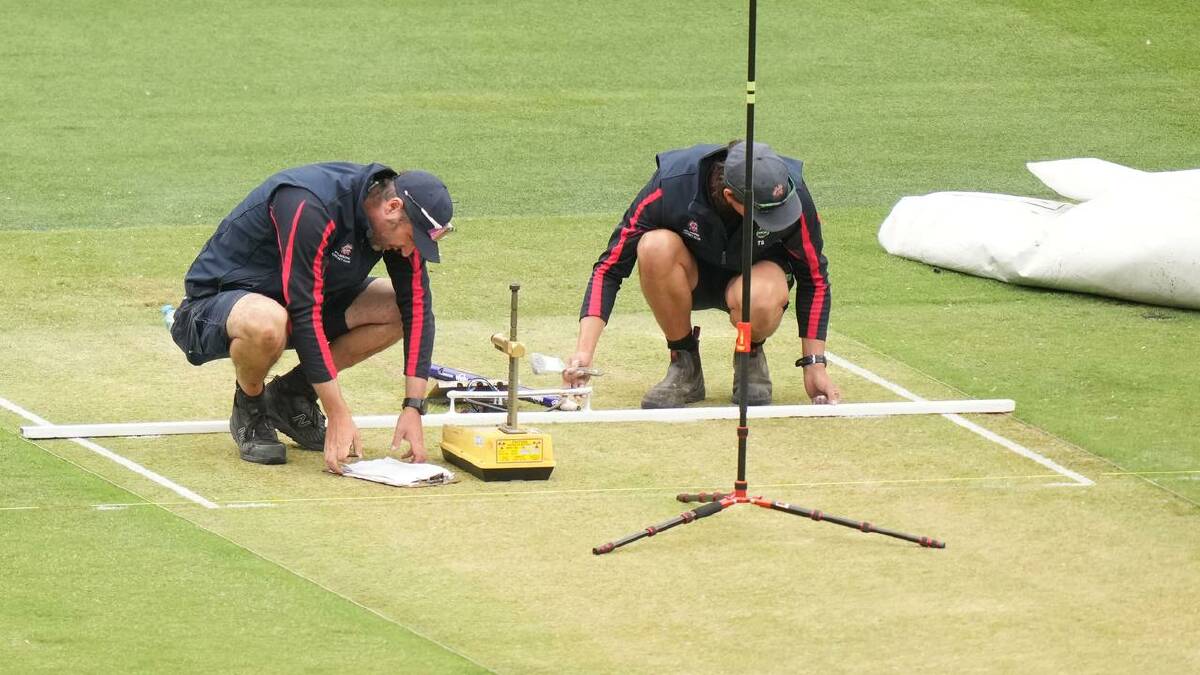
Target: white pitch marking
[(1079, 479), (249, 505), (110, 455)]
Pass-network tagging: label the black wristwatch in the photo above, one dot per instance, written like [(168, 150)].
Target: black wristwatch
[(809, 360), (417, 404)]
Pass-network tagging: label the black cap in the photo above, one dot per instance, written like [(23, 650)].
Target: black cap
[(427, 203), (776, 204)]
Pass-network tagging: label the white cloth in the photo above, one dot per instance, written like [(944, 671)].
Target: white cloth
[(391, 471), (1135, 236)]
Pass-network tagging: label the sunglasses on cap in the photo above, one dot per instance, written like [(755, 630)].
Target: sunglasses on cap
[(439, 230)]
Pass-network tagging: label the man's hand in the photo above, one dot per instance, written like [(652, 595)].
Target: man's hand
[(820, 388), (409, 428), (573, 374), (341, 440)]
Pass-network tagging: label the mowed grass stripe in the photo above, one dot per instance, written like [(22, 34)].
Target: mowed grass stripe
[(144, 590)]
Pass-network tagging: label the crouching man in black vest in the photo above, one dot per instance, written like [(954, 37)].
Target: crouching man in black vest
[(290, 268), (684, 231)]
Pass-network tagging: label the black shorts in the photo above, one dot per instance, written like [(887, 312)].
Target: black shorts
[(199, 327), (709, 292)]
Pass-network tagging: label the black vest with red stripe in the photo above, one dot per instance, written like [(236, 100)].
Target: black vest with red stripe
[(244, 254)]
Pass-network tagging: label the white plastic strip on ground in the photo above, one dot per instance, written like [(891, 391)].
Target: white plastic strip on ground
[(920, 407), (112, 456), (1021, 450)]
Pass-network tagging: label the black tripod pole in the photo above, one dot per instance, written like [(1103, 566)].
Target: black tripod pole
[(743, 328)]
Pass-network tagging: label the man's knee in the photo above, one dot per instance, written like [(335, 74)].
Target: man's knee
[(659, 250), (767, 296), (259, 321)]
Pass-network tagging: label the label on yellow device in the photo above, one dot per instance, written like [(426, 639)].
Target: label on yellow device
[(519, 450)]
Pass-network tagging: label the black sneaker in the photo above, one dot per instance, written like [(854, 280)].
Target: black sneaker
[(683, 384), (293, 409), (758, 378), (251, 428)]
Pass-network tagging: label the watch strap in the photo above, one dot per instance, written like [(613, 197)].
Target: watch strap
[(809, 360)]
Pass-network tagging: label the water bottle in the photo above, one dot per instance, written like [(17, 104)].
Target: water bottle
[(168, 315)]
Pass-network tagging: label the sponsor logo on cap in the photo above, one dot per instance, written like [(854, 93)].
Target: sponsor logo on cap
[(778, 192)]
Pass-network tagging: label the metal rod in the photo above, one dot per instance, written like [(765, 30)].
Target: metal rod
[(682, 519), (513, 384), (679, 415), (860, 525)]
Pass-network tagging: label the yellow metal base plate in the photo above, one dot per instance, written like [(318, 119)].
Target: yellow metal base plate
[(491, 454)]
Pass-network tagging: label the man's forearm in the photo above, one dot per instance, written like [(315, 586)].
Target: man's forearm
[(810, 346), (590, 328), (330, 394), (415, 387)]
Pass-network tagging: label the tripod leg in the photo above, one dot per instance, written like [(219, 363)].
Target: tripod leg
[(687, 497), (682, 519), (863, 526)]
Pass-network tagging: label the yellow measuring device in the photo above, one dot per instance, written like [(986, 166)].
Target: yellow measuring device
[(508, 452)]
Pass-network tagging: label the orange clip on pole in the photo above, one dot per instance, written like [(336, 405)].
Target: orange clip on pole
[(743, 337)]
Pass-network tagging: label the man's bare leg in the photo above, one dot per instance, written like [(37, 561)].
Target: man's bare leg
[(768, 298), (257, 329), (668, 274), (374, 322)]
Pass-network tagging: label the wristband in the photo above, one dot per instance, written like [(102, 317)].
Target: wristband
[(809, 360), (417, 404)]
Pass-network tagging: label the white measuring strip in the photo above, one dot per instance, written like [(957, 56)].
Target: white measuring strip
[(555, 417), (1021, 450), (110, 455)]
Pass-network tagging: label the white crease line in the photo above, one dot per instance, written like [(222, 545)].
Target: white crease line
[(1079, 479), (110, 455)]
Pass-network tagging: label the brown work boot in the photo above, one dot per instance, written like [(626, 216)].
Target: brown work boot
[(683, 384), (758, 378)]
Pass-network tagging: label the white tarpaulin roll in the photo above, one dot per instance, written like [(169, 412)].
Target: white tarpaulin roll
[(1136, 234)]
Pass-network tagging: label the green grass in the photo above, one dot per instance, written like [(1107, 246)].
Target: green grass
[(136, 588), (130, 128)]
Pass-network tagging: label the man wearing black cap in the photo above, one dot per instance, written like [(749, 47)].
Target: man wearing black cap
[(684, 231), (290, 267)]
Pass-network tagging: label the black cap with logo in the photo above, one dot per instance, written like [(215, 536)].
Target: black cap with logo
[(427, 203), (776, 204)]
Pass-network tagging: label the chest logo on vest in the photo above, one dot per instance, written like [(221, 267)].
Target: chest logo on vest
[(692, 230), (343, 254), (762, 237)]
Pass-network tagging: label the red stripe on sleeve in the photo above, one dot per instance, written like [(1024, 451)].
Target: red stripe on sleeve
[(615, 254), (319, 295), (418, 315), (814, 271), (287, 253)]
